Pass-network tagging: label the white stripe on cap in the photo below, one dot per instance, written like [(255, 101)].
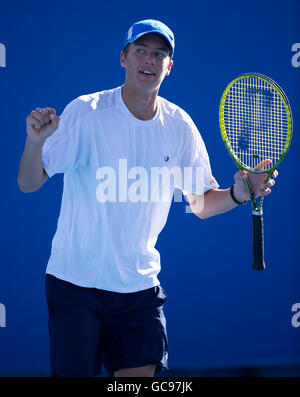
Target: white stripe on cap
[(129, 33)]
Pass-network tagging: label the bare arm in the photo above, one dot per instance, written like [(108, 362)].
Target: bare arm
[(218, 201), (40, 125), (213, 202), (31, 173)]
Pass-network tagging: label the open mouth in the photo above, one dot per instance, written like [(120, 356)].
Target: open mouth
[(147, 73)]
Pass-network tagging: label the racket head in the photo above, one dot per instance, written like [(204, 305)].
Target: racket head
[(256, 122)]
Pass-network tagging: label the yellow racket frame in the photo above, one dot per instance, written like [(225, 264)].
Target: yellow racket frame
[(238, 162)]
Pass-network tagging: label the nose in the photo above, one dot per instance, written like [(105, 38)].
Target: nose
[(150, 59)]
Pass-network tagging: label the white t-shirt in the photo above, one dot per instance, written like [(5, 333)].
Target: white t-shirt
[(112, 208)]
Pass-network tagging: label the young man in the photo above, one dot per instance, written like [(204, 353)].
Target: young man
[(104, 298)]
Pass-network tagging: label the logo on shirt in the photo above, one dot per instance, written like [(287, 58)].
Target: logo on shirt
[(166, 158)]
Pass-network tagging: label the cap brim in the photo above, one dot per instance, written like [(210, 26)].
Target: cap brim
[(156, 32)]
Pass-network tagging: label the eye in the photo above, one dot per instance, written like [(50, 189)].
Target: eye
[(140, 51), (161, 55)]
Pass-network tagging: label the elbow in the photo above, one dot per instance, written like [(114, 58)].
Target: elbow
[(199, 207), (21, 187), (26, 189), (202, 214)]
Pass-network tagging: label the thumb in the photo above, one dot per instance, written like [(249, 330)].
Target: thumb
[(54, 121), (241, 175), (245, 174)]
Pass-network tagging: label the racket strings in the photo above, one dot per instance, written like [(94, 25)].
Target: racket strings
[(256, 121)]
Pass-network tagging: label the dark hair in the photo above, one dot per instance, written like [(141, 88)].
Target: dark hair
[(126, 49)]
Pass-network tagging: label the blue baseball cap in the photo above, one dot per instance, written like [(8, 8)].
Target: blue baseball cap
[(150, 26)]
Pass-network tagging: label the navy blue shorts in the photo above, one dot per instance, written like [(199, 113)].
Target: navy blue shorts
[(89, 328)]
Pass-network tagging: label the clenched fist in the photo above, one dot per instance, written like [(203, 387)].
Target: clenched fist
[(40, 124)]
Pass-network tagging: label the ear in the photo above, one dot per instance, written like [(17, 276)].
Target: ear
[(123, 59), (169, 68)]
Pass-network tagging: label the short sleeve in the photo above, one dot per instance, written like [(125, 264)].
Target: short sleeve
[(195, 165), (66, 148)]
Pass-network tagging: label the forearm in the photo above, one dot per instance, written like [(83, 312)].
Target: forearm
[(213, 202), (218, 201), (31, 172)]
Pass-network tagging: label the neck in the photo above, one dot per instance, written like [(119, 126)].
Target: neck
[(142, 105)]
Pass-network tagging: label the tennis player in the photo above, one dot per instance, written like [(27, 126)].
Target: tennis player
[(104, 298)]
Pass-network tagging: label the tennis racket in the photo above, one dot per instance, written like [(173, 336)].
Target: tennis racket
[(256, 124)]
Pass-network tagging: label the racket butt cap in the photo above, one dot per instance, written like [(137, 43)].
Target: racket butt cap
[(259, 266)]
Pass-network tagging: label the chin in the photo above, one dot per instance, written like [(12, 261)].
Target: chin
[(144, 87), (149, 87)]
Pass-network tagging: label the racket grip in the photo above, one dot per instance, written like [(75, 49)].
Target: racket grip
[(258, 241)]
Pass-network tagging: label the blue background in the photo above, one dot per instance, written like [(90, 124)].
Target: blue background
[(220, 313)]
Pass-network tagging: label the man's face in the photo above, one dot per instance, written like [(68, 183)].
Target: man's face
[(147, 62)]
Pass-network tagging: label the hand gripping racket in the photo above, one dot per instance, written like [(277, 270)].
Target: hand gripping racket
[(256, 124)]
